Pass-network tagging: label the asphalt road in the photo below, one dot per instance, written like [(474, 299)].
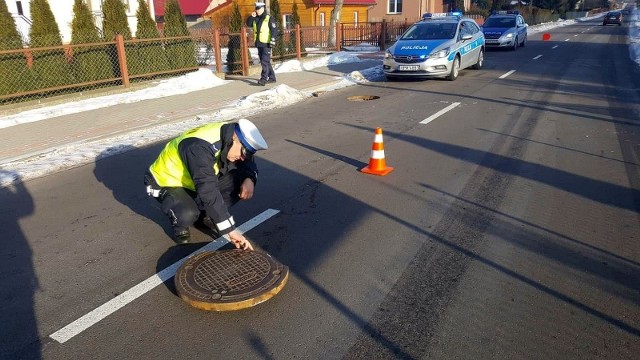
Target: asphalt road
[(509, 228)]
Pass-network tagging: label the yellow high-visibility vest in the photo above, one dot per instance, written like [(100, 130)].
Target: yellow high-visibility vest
[(265, 31), (169, 170)]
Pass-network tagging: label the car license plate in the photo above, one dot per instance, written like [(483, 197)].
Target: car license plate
[(408, 67), (491, 41)]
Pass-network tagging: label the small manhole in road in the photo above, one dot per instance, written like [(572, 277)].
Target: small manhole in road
[(363, 98)]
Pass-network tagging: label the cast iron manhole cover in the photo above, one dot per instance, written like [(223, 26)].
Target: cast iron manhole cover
[(226, 280)]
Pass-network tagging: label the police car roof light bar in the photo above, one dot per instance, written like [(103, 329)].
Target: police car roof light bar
[(505, 12), (433, 16)]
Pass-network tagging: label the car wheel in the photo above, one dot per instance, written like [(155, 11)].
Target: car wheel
[(524, 42), (478, 64), (515, 44), (455, 69)]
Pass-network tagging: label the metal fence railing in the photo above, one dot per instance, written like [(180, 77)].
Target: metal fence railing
[(31, 73)]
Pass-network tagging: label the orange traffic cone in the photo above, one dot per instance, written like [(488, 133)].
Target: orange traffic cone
[(377, 165)]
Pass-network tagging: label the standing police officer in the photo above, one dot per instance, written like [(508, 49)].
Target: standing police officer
[(202, 172), (265, 32)]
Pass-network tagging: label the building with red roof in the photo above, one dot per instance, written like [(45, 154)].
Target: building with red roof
[(191, 9)]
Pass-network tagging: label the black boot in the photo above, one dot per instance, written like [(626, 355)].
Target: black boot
[(206, 225), (181, 237)]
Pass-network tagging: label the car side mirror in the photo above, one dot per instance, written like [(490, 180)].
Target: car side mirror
[(466, 37)]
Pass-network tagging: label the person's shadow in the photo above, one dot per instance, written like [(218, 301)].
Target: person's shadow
[(123, 174), (18, 280)]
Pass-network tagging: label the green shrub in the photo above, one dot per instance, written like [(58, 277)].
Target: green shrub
[(14, 73), (280, 48), (50, 68), (234, 55), (149, 56), (534, 15), (90, 63), (295, 19), (115, 22), (181, 53)]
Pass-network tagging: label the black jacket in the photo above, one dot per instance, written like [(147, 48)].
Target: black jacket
[(272, 26), (198, 156)]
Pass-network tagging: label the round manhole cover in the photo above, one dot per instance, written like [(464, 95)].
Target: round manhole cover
[(229, 279), (363, 97)]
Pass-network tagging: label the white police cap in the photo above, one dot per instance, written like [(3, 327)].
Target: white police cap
[(260, 4), (250, 136)]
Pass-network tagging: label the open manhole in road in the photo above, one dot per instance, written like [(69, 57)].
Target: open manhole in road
[(363, 98), (227, 280)]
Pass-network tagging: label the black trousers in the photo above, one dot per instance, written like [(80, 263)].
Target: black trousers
[(264, 53), (184, 207)]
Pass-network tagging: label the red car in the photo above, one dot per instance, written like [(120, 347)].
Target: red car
[(612, 17)]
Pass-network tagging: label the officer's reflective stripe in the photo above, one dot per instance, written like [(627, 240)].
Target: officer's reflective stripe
[(225, 224), (377, 154)]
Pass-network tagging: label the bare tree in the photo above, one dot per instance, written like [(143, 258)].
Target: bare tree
[(335, 16)]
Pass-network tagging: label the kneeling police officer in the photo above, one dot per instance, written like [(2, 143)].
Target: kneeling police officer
[(202, 172)]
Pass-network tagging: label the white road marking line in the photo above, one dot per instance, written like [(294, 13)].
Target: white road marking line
[(434, 116), (567, 39), (128, 296), (507, 74), (575, 35), (554, 47), (537, 57)]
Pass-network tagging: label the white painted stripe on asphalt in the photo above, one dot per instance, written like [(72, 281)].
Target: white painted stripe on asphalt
[(135, 292), (436, 115), (507, 74), (555, 47), (567, 39), (537, 57), (575, 35)]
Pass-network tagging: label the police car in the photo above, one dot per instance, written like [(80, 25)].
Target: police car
[(505, 29), (440, 45)]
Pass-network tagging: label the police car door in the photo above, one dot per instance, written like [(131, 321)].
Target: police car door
[(466, 47), (522, 30)]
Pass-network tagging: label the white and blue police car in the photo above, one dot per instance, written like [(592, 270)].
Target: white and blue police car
[(505, 29), (439, 45)]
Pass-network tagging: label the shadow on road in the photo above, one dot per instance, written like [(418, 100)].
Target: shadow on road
[(20, 338)]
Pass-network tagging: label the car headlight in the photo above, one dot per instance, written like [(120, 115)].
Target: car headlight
[(508, 36), (388, 55), (439, 54)]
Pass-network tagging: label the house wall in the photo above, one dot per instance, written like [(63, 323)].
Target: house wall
[(412, 10), (308, 12), (23, 22), (63, 13)]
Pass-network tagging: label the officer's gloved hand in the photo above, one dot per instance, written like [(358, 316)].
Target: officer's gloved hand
[(273, 42)]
